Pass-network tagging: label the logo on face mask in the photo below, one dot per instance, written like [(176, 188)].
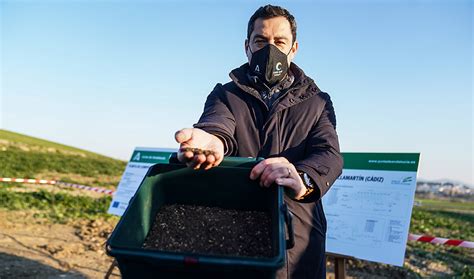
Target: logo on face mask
[(257, 69), (278, 71)]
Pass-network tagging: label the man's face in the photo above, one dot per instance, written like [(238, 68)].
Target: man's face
[(275, 31)]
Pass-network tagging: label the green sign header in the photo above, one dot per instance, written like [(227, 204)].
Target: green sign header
[(150, 157), (382, 161)]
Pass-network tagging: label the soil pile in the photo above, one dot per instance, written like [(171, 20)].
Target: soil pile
[(211, 230)]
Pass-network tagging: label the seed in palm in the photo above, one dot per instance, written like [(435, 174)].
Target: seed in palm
[(197, 151)]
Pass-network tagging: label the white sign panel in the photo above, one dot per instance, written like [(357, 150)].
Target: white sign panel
[(142, 158), (368, 211)]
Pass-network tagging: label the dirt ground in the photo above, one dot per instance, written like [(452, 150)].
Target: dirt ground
[(35, 248)]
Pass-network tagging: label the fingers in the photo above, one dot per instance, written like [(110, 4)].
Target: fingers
[(290, 185), (199, 149), (196, 162), (200, 161), (218, 158), (294, 187), (273, 168), (260, 167), (185, 157), (209, 163), (272, 172), (289, 182), (214, 154), (183, 135)]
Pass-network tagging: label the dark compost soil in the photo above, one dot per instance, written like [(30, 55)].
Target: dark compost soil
[(211, 230)]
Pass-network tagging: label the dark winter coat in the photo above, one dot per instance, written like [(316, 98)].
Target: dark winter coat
[(300, 126)]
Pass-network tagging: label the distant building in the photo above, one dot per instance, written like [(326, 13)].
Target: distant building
[(444, 189)]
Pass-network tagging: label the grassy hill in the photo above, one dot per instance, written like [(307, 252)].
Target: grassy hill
[(28, 157), (23, 156)]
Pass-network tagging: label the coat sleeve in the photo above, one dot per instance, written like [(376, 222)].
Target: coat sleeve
[(218, 120), (323, 162)]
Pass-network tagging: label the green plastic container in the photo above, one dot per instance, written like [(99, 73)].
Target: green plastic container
[(226, 186)]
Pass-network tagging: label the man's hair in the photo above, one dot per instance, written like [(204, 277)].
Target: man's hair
[(270, 11)]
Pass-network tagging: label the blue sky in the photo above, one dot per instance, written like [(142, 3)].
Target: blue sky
[(107, 76)]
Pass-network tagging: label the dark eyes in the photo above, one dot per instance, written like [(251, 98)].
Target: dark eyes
[(280, 43)]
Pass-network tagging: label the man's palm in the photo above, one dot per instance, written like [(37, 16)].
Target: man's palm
[(197, 138)]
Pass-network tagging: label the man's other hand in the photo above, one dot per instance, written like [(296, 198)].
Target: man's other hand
[(280, 171), (190, 138)]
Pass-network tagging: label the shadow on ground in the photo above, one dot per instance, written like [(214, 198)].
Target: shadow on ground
[(18, 267)]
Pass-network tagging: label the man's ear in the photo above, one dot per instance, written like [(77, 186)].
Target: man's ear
[(248, 53), (294, 49)]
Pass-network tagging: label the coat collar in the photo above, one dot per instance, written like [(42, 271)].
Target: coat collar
[(303, 87)]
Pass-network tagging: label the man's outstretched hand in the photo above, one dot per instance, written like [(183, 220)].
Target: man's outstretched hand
[(199, 149)]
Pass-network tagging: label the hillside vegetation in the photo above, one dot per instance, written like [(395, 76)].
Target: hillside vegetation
[(23, 156), (28, 157)]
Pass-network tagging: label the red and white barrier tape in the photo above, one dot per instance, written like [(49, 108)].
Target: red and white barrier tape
[(440, 240), (54, 182), (28, 180), (88, 188), (412, 237)]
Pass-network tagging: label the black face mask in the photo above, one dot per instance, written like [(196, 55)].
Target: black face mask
[(269, 64)]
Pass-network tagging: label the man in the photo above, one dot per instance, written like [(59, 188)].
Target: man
[(271, 109)]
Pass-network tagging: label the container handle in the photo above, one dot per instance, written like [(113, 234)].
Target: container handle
[(290, 242), (108, 249)]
